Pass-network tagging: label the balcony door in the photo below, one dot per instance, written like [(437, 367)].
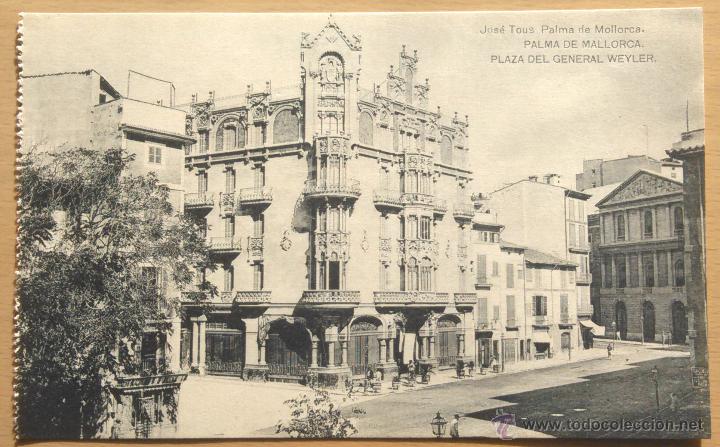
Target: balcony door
[(447, 342)]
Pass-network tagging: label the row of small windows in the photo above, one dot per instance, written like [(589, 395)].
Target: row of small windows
[(232, 134), (648, 224), (631, 269)]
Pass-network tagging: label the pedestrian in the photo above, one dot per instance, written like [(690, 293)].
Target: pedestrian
[(673, 402), (609, 350), (455, 427)]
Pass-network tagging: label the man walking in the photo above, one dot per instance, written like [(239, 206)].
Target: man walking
[(454, 427)]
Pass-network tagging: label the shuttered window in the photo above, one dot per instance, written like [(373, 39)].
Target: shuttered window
[(481, 270), (510, 306), (510, 275), (482, 310)]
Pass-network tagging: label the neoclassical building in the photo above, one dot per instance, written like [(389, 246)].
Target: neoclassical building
[(340, 221), (640, 260)]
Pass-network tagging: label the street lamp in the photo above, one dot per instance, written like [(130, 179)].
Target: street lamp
[(654, 376), (438, 424)]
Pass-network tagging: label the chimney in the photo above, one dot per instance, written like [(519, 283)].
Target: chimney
[(552, 179)]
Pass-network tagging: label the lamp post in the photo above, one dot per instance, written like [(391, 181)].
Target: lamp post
[(438, 424), (654, 376)]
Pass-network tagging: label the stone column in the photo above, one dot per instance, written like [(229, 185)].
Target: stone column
[(195, 342), (331, 354), (313, 359), (202, 321), (431, 347), (383, 350), (174, 344), (641, 272), (671, 273), (421, 347), (656, 277), (344, 353), (461, 345), (263, 348), (391, 350)]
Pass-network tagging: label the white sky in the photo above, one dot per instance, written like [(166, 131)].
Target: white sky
[(524, 118)]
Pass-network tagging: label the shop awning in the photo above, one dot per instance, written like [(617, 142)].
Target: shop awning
[(594, 328), (541, 337)]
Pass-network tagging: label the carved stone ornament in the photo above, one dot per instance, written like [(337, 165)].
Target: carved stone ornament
[(188, 125), (364, 244), (645, 185), (285, 242), (447, 249)]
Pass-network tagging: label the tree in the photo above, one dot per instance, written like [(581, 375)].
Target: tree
[(315, 417), (87, 227)]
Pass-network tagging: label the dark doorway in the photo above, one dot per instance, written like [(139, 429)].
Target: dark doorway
[(621, 319), (288, 349), (364, 347), (447, 342), (679, 323), (648, 321), (334, 275)]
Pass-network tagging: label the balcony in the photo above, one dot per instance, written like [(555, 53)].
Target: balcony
[(580, 246), (565, 319), (153, 382), (224, 245), (252, 297), (541, 320), (463, 211), (348, 190), (583, 278), (511, 323), (199, 201), (385, 198), (465, 299), (482, 284), (585, 310), (227, 203), (647, 290), (418, 199), (485, 325), (259, 196), (439, 207), (330, 298), (413, 298), (255, 249)]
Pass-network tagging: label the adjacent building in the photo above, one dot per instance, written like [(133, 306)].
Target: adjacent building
[(691, 150), (547, 217), (641, 267), (599, 172), (83, 110)]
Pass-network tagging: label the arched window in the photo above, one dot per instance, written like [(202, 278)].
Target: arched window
[(620, 227), (679, 273), (426, 274), (412, 274), (679, 223), (229, 137), (219, 138), (446, 150), (648, 223), (241, 135), (366, 128), (286, 127)]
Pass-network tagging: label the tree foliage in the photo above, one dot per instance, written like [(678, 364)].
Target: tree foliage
[(87, 227), (315, 416)]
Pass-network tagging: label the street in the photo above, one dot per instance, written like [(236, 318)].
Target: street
[(229, 407)]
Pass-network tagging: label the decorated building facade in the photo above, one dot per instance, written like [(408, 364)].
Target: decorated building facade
[(340, 221)]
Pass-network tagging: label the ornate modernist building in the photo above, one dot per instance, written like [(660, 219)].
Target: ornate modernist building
[(641, 287), (339, 219)]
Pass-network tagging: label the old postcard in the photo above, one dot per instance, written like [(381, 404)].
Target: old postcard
[(424, 225)]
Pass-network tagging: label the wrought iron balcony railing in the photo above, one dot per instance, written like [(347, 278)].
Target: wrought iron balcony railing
[(261, 195), (225, 245), (349, 189), (463, 210), (249, 297), (196, 200), (585, 310), (227, 203), (387, 198), (331, 297), (465, 298), (410, 297)]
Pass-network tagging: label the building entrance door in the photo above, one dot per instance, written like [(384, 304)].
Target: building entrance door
[(447, 342), (288, 349), (648, 321), (679, 323), (621, 319), (363, 347)]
